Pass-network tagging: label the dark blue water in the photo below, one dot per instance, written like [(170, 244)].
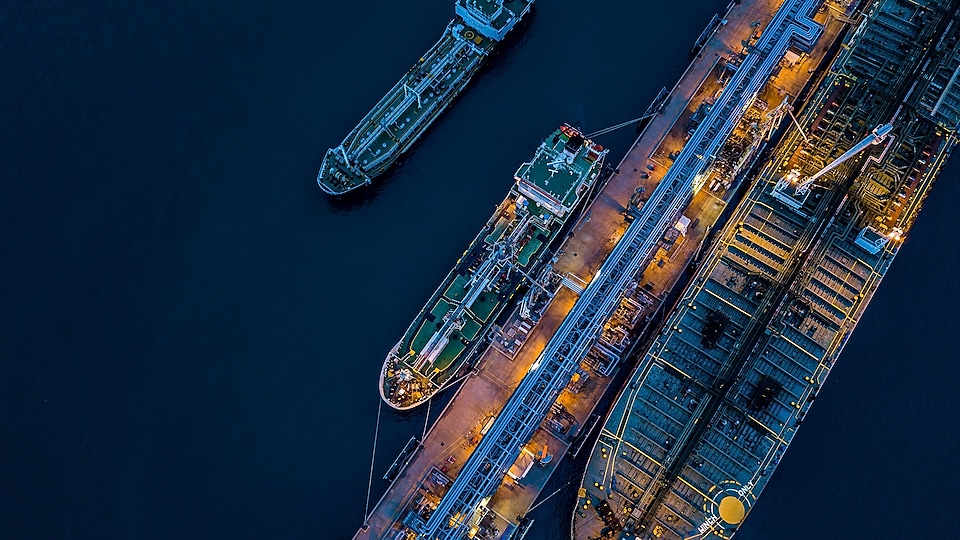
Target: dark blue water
[(191, 332)]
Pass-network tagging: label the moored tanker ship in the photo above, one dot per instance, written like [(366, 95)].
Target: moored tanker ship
[(424, 92), (512, 247)]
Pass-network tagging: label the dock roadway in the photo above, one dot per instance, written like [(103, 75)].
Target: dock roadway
[(453, 437)]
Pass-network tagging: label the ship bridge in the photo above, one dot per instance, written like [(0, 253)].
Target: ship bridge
[(553, 179), (492, 18)]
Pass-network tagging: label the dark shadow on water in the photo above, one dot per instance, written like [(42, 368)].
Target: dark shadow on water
[(504, 53), (366, 194)]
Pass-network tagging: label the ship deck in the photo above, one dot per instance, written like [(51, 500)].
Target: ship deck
[(407, 109), (454, 435), (559, 186), (418, 96), (484, 280)]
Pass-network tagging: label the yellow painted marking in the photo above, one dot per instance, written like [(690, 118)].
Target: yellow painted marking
[(785, 338), (732, 510), (725, 301)]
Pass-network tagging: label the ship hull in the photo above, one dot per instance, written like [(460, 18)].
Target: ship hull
[(512, 248), (412, 105)]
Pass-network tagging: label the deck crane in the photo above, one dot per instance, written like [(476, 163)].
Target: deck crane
[(878, 135)]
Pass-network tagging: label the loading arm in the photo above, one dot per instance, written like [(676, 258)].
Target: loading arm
[(878, 135)]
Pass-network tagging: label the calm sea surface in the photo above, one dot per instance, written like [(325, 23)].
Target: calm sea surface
[(191, 332)]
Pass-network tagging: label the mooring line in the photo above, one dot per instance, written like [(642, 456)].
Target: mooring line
[(534, 507), (426, 420), (376, 432)]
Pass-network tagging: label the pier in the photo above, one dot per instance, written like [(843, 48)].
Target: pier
[(487, 450)]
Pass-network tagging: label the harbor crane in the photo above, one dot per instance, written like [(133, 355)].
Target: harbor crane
[(878, 135)]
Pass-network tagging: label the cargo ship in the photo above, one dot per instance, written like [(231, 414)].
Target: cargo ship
[(423, 93), (713, 403), (510, 250)]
